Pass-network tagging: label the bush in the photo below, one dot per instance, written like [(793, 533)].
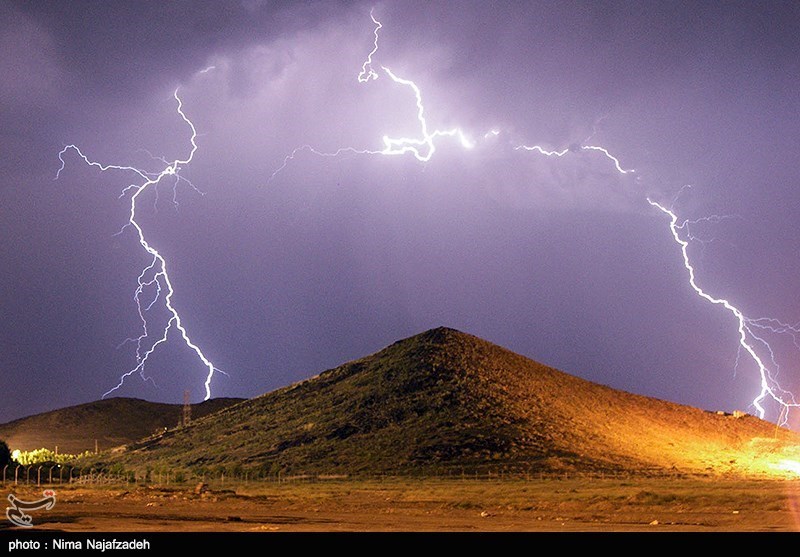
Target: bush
[(45, 456)]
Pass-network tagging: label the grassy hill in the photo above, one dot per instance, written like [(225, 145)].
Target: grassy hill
[(112, 422), (444, 400)]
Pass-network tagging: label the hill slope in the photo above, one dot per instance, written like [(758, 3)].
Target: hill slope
[(112, 422), (447, 400)]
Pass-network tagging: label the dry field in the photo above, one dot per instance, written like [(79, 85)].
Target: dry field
[(406, 505)]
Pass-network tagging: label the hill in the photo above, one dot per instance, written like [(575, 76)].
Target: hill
[(445, 401), (112, 422)]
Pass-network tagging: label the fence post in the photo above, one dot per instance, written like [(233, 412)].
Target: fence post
[(28, 474), (39, 475), (16, 475), (4, 473)]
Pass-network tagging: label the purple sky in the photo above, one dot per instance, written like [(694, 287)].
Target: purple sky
[(560, 259)]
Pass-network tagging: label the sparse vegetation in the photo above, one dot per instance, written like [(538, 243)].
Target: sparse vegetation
[(411, 504), (445, 403), (442, 431)]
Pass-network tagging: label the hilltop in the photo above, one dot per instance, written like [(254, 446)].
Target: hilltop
[(446, 401)]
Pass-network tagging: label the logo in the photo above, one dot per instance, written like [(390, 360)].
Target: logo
[(16, 512)]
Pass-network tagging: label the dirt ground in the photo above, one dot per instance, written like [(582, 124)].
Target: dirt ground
[(580, 505)]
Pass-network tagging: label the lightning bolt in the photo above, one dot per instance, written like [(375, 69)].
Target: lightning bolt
[(563, 152), (367, 72), (154, 276), (748, 340), (423, 147)]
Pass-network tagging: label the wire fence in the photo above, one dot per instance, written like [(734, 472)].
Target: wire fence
[(73, 475)]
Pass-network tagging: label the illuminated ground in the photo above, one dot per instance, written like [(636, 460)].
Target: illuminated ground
[(433, 505)]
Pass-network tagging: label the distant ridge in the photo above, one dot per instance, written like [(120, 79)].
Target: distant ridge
[(112, 422), (445, 401)]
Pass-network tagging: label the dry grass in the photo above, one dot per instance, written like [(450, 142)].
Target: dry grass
[(436, 505)]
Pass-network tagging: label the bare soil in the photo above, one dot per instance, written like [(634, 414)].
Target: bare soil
[(573, 505)]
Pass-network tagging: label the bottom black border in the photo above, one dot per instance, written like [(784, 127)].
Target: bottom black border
[(20, 541)]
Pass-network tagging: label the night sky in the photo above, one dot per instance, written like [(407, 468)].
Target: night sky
[(561, 259)]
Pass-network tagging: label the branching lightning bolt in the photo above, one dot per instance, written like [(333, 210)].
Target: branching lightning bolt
[(154, 276), (422, 147), (748, 340)]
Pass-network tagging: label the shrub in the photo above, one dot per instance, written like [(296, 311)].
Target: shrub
[(40, 456)]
